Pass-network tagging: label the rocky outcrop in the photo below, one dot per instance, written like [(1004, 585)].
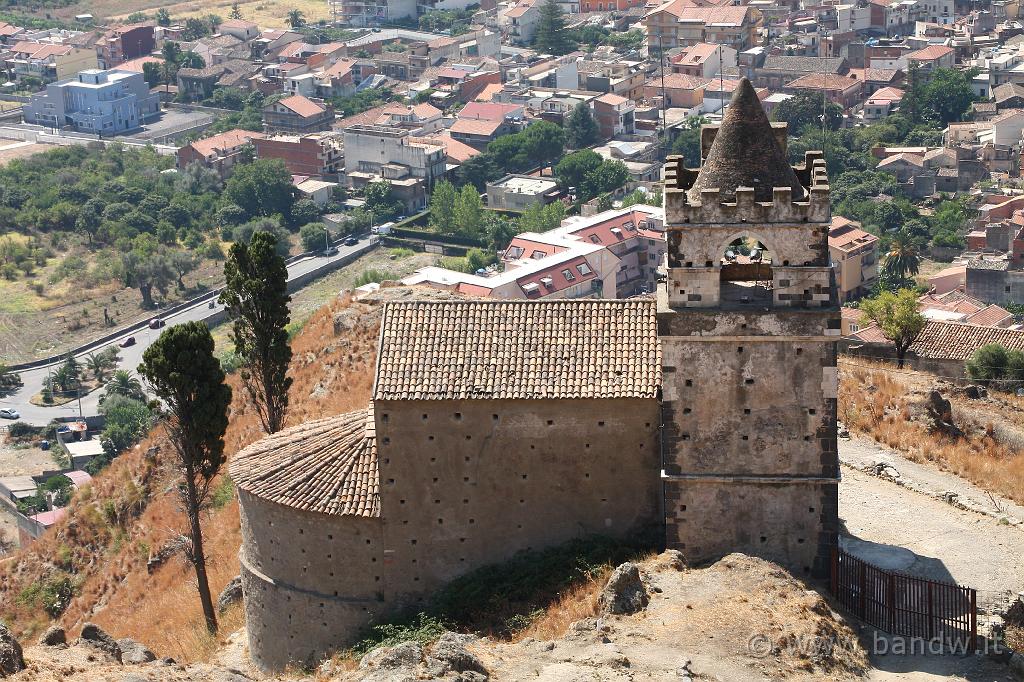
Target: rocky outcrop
[(54, 636), (11, 658), (624, 593), (94, 636), (134, 653), (449, 654), (231, 594), (402, 655)]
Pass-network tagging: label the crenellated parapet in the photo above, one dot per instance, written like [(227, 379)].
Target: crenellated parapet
[(744, 207)]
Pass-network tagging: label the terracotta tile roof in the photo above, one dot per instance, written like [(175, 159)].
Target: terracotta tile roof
[(328, 466), (226, 140), (518, 350), (303, 106), (955, 341), (827, 81), (681, 81), (489, 111), (870, 334), (472, 126), (930, 53), (992, 316)]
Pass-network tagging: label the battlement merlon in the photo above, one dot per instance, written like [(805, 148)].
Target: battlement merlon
[(813, 176)]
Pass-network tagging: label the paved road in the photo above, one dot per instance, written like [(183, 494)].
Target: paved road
[(131, 357)]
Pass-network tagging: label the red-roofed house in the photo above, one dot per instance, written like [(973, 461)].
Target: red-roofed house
[(219, 153), (842, 90), (614, 114), (932, 57), (477, 132), (704, 60), (882, 103), (298, 115), (854, 255)]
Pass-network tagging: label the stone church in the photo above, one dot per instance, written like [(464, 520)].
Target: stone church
[(708, 413)]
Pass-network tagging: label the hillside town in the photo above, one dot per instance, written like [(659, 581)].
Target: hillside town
[(395, 339)]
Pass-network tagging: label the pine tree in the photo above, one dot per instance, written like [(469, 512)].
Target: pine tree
[(188, 379), (551, 36), (256, 296), (580, 128)]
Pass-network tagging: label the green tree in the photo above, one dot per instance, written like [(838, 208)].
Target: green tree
[(897, 317), (469, 211), (478, 171), (261, 188), (236, 12), (442, 207), (902, 260), (552, 36), (687, 141), (126, 421), (123, 383), (381, 200), (163, 17), (608, 177), (580, 128), (988, 363), (806, 108), (256, 296), (185, 375), (573, 169), (296, 18), (541, 218), (313, 236), (304, 211)]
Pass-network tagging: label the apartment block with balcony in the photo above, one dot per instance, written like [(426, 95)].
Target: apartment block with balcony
[(410, 164), (98, 102), (854, 254)]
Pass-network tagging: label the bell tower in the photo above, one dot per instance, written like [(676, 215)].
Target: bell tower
[(748, 321)]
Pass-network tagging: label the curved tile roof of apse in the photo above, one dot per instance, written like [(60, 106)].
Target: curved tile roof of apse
[(451, 350), (327, 466), (745, 153)]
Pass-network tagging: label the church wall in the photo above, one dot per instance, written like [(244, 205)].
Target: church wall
[(310, 581), (470, 483)]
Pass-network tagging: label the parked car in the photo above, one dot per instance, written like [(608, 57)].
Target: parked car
[(127, 342), (333, 251), (156, 323), (351, 241), (9, 413)]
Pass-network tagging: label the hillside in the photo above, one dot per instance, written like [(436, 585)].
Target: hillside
[(95, 561), (739, 619), (114, 561)]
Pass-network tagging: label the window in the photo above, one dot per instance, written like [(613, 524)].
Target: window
[(629, 227), (567, 273), (537, 255), (584, 269), (595, 238)]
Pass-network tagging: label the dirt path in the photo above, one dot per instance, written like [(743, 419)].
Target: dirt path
[(947, 543)]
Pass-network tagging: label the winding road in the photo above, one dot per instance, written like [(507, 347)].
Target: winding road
[(131, 357)]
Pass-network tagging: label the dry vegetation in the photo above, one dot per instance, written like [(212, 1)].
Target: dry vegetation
[(129, 513), (891, 408)]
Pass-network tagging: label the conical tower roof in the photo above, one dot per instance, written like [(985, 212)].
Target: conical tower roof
[(745, 153)]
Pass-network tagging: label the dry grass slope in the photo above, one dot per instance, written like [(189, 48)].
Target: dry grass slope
[(889, 406), (131, 512)]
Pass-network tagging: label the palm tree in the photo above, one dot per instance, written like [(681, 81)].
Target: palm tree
[(296, 18), (97, 364), (123, 382), (902, 259)]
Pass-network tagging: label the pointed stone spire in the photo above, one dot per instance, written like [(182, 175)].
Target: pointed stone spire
[(745, 153)]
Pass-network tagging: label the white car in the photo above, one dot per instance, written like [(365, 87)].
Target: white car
[(9, 413)]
